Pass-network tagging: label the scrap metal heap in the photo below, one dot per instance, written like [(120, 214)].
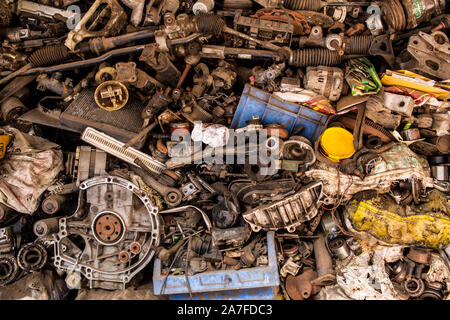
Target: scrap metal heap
[(296, 148)]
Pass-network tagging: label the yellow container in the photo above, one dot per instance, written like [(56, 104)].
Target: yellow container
[(4, 141), (337, 144)]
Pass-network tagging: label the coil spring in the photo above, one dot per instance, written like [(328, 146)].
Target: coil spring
[(313, 5), (49, 55), (208, 23), (358, 44), (314, 57)]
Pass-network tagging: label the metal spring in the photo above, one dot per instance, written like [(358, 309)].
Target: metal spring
[(313, 5), (314, 57), (208, 23), (358, 44), (47, 56)]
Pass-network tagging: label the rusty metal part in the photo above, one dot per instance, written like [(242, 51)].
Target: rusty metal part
[(400, 272), (394, 15), (32, 257), (339, 248), (126, 72), (46, 227), (411, 134), (102, 44), (314, 57), (108, 228), (382, 46), (8, 240), (254, 193), (165, 254), (420, 11), (357, 44), (160, 62), (112, 11), (172, 196), (369, 127), (300, 287), (288, 213), (419, 255), (277, 130), (53, 203), (314, 5), (135, 248), (107, 204), (355, 29), (431, 294), (278, 33), (9, 269), (414, 287), (290, 249), (230, 261), (140, 135), (12, 108), (124, 256), (296, 19), (324, 263)]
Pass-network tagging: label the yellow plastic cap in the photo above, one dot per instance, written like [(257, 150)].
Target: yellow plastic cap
[(337, 143)]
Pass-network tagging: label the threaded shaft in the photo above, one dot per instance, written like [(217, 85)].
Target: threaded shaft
[(313, 5), (208, 23), (314, 57), (358, 44), (49, 55)]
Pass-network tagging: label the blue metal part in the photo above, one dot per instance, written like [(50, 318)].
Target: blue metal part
[(270, 109), (222, 280), (265, 293)]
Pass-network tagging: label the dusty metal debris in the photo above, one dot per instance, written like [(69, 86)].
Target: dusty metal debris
[(297, 148)]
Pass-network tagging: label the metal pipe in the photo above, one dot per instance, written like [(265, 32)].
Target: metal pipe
[(324, 263)]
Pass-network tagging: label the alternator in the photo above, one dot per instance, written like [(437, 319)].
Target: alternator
[(110, 237)]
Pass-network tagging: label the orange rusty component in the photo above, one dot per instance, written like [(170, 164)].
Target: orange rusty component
[(108, 228), (171, 174), (161, 147), (124, 256), (275, 129), (301, 26), (355, 29), (300, 287), (135, 247)]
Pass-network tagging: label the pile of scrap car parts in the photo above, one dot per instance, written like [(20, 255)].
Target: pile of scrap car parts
[(299, 149)]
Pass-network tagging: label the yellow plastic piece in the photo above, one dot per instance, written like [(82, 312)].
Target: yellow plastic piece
[(337, 143), (431, 231), (4, 141), (437, 91)]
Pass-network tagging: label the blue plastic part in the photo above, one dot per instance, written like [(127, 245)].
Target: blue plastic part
[(265, 293), (223, 280), (270, 109)]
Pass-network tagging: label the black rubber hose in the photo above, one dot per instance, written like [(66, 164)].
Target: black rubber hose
[(50, 55)]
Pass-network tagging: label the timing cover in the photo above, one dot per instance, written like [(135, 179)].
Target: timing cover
[(111, 236)]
